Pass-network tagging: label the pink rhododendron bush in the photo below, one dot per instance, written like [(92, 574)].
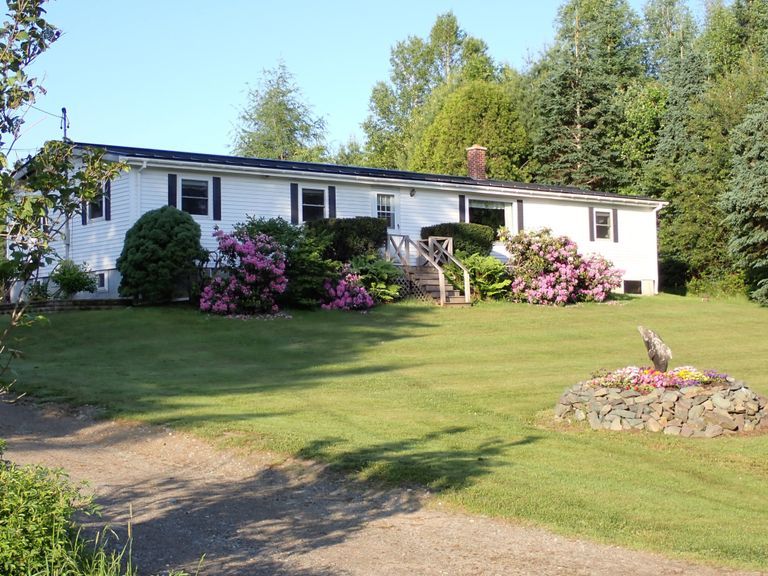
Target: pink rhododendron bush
[(346, 293), (547, 269), (248, 276)]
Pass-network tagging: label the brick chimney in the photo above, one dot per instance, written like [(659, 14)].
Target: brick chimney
[(476, 162)]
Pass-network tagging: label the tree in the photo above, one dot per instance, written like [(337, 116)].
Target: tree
[(746, 200), (417, 67), (710, 88), (475, 112), (350, 154), (277, 123), (40, 197), (161, 252), (596, 56), (643, 106), (669, 32)]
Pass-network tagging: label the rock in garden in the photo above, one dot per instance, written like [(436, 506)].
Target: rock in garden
[(658, 352)]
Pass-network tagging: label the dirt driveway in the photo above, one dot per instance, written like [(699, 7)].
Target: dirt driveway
[(249, 516)]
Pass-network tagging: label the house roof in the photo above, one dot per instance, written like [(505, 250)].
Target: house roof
[(354, 171)]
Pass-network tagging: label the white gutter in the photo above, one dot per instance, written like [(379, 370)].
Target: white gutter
[(400, 182)]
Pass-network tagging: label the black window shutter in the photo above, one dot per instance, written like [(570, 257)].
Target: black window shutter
[(331, 201), (172, 190), (520, 221), (108, 200), (294, 203), (84, 212), (615, 217), (216, 198), (591, 224), (462, 208)]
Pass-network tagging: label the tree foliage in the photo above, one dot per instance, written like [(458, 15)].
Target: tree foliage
[(277, 123), (476, 112), (746, 200), (596, 55), (160, 254), (40, 197), (417, 67)]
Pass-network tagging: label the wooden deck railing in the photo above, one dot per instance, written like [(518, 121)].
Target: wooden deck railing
[(436, 251)]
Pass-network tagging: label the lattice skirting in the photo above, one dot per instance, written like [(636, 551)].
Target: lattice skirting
[(412, 290)]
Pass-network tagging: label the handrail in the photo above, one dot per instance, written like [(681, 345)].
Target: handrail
[(435, 250), (437, 245)]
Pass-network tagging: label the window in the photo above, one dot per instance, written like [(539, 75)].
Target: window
[(101, 282), (385, 208), (633, 287), (96, 208), (602, 225), (194, 196), (312, 204), (489, 213)]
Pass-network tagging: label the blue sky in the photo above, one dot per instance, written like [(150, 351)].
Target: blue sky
[(173, 74)]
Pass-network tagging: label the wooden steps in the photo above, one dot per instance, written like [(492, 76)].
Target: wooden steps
[(428, 279)]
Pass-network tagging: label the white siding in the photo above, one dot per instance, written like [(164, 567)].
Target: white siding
[(99, 242)]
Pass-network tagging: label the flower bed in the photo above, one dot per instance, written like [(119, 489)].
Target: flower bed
[(684, 401)]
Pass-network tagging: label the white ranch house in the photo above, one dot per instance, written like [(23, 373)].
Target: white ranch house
[(222, 190)]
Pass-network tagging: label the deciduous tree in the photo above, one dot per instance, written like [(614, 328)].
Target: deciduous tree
[(40, 197), (277, 123), (475, 112), (417, 67)]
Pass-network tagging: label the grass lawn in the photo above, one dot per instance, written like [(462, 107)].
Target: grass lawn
[(458, 400)]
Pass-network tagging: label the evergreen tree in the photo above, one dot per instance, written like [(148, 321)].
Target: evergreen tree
[(276, 123), (746, 200), (596, 55)]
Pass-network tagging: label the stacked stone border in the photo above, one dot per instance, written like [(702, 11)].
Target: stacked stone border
[(694, 411)]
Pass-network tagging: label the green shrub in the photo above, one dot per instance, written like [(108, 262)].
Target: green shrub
[(378, 276), (38, 292), (350, 237), (161, 254), (37, 533), (305, 265), (71, 279), (724, 285), (467, 237), (488, 276)]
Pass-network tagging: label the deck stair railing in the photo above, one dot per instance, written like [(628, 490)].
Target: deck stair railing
[(423, 259)]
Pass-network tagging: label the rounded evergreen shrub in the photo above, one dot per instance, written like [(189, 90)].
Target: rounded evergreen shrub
[(161, 252), (467, 237)]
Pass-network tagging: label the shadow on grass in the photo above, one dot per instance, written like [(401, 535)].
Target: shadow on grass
[(412, 460), (146, 359)]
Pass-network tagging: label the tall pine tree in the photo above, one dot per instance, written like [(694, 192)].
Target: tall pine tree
[(596, 55), (746, 200)]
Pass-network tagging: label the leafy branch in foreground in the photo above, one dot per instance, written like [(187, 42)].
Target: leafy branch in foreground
[(40, 196)]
